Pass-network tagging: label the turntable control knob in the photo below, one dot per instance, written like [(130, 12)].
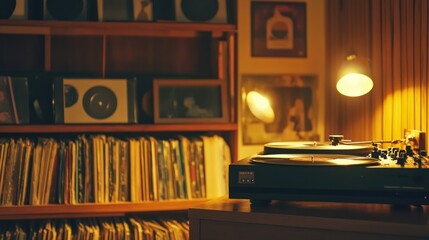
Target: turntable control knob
[(393, 152), (409, 150), (417, 161), (401, 157), (375, 154), (335, 139), (383, 154)]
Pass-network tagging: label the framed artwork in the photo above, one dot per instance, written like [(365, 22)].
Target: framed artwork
[(278, 108), (278, 29), (189, 101)]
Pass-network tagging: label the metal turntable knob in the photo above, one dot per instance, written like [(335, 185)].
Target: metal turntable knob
[(335, 139)]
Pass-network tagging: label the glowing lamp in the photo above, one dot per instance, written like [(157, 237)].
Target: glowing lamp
[(354, 80)]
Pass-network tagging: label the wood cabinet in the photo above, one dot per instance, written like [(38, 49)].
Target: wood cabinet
[(238, 219), (105, 49)]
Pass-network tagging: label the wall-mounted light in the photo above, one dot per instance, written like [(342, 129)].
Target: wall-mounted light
[(354, 80), (260, 107)]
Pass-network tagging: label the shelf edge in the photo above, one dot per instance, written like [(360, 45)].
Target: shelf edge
[(95, 210)]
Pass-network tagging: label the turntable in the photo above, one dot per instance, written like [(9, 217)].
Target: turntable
[(339, 171)]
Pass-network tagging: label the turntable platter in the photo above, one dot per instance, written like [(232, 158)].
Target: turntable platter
[(315, 160), (316, 148)]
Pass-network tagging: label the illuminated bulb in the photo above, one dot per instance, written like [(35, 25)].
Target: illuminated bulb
[(354, 85), (260, 107)]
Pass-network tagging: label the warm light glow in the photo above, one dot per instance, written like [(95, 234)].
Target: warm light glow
[(260, 107), (354, 84), (343, 162)]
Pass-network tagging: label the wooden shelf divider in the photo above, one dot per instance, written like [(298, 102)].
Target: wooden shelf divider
[(95, 209), (112, 128), (164, 29)]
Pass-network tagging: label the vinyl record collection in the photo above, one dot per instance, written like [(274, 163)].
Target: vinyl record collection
[(101, 228), (108, 169)]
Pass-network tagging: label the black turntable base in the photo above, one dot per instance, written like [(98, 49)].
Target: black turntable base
[(328, 173)]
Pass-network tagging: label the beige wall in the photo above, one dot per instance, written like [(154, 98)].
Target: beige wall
[(314, 63)]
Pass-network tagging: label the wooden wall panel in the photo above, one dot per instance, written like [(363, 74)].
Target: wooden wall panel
[(21, 52), (188, 56), (77, 54)]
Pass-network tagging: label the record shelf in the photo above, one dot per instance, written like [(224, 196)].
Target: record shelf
[(105, 128), (95, 210), (104, 49)]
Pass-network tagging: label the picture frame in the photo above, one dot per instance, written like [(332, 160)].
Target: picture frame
[(190, 101), (208, 11), (292, 115), (278, 29)]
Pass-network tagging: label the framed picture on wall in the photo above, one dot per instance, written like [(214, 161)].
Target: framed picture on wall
[(278, 107), (278, 29), (189, 101)]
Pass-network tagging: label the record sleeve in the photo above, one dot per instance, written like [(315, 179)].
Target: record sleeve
[(14, 100)]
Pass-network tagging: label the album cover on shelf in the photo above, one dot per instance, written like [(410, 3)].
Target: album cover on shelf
[(95, 100), (204, 11), (14, 9), (143, 10), (68, 10), (114, 10), (14, 100)]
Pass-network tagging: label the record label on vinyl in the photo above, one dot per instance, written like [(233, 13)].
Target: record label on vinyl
[(100, 102)]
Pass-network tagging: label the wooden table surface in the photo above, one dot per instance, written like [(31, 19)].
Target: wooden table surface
[(326, 220)]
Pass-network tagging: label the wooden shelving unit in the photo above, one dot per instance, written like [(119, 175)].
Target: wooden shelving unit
[(164, 29), (103, 49)]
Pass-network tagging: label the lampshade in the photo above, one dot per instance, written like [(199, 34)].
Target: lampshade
[(260, 107), (354, 77)]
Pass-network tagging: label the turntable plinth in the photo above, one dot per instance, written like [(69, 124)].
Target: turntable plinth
[(311, 171)]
